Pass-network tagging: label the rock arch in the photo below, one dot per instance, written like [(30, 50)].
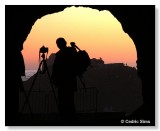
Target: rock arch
[(137, 21)]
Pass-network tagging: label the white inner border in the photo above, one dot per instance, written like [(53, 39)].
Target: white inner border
[(72, 2)]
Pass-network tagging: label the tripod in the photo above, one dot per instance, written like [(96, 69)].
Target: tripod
[(27, 101), (42, 64)]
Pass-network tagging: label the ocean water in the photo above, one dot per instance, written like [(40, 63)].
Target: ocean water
[(28, 73)]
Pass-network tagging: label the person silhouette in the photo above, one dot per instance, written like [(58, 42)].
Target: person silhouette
[(64, 77)]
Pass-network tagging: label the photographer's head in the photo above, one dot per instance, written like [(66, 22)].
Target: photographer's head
[(61, 43)]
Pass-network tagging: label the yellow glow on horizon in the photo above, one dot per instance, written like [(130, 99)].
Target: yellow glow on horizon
[(97, 32)]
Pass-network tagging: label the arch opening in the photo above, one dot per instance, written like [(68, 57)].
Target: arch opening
[(97, 32)]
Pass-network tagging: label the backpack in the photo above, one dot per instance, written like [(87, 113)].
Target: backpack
[(83, 60)]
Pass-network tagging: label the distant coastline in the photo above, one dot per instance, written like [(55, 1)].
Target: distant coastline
[(28, 74)]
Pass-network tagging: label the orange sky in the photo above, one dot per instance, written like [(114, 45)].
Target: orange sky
[(97, 32)]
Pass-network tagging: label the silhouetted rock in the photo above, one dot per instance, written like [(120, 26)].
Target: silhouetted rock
[(119, 87), (51, 59), (95, 61)]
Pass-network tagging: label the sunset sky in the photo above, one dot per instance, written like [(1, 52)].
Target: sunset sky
[(97, 32)]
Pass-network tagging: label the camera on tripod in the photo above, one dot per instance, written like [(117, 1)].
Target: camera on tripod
[(41, 70), (43, 52)]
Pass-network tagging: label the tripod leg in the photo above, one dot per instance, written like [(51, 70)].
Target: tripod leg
[(84, 86), (22, 88), (31, 87), (51, 85)]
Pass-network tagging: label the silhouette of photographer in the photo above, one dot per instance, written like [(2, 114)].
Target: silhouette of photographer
[(64, 77)]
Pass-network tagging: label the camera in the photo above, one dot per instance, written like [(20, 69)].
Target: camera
[(43, 49), (43, 52)]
